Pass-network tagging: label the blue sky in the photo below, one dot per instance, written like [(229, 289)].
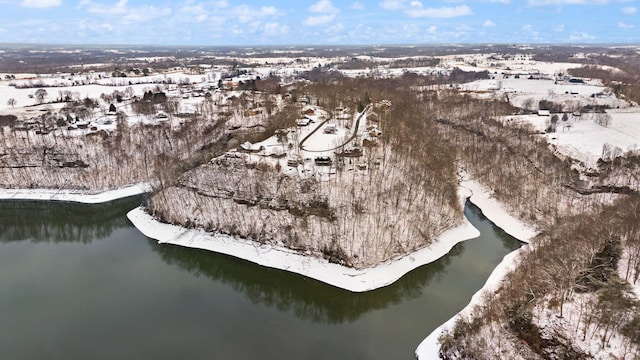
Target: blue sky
[(264, 22)]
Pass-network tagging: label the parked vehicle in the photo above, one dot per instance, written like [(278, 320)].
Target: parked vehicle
[(323, 161)]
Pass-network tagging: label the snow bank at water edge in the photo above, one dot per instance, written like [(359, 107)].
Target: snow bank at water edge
[(496, 213), (356, 280), (429, 348), (74, 195)]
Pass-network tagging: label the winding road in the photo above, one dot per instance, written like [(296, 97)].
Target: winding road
[(355, 133)]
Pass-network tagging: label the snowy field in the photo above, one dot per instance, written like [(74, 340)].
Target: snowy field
[(517, 65), (55, 85), (580, 137), (23, 100), (585, 139)]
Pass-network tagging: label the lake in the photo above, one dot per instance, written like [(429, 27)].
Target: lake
[(80, 282)]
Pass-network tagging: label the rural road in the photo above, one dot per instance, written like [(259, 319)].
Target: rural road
[(355, 133)]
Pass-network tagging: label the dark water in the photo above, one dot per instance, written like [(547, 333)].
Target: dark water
[(80, 282)]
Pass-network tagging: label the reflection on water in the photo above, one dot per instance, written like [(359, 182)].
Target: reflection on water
[(62, 222), (101, 284), (309, 299)]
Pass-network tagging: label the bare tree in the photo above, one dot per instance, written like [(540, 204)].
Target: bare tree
[(40, 95), (552, 124), (527, 104), (602, 119)]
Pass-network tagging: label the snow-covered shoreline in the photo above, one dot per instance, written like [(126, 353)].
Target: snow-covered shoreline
[(429, 348), (78, 196), (279, 257), (356, 280)]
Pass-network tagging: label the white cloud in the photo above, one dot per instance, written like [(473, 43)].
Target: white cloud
[(559, 28), (629, 10), (91, 27), (145, 13), (325, 11), (566, 2), (193, 9), (357, 6), (191, 12), (323, 7), (580, 36), (442, 12), (410, 28), (528, 29), (432, 29), (96, 8), (319, 19), (236, 30), (41, 4), (623, 25), (247, 14), (133, 14), (268, 11), (275, 28), (416, 4), (393, 4), (336, 28), (489, 23), (220, 4)]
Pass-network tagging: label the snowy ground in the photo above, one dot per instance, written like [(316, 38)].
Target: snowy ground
[(74, 196), (571, 326), (93, 86), (580, 137), (23, 100), (518, 64), (317, 144), (583, 139)]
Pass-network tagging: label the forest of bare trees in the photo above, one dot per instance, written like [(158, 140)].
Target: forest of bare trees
[(577, 270), (404, 200), (428, 136), (570, 272)]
